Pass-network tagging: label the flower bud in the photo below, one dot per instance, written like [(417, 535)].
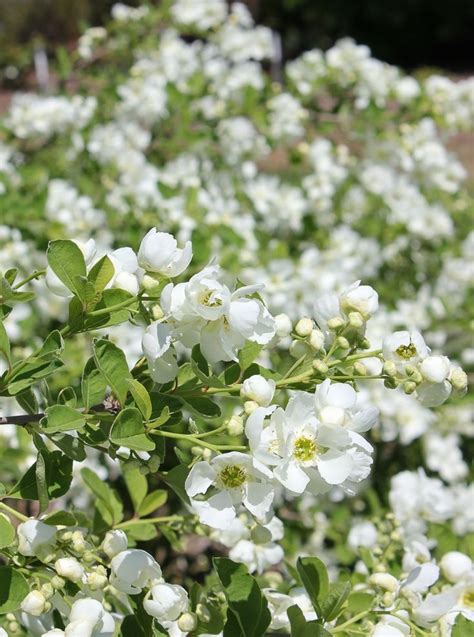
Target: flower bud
[(455, 566), (97, 580), (258, 389), (320, 367), (235, 426), (159, 253), (69, 568), (360, 369), (114, 542), (409, 387), (150, 282), (34, 604), (356, 320), (203, 613), (342, 342), (187, 622), (57, 582), (298, 349), (435, 369), (250, 406), (458, 379), (336, 323), (316, 340), (283, 325), (78, 542), (304, 327), (47, 590), (157, 312), (385, 581)]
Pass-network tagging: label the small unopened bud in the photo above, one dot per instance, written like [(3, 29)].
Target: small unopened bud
[(157, 312), (197, 451), (274, 579), (97, 581), (298, 349), (387, 599), (57, 582), (34, 604), (78, 542), (250, 406), (390, 368), (149, 282), (187, 622), (458, 379), (88, 556), (360, 369), (304, 327), (316, 340), (206, 454), (342, 342), (203, 613), (356, 320), (409, 387), (336, 323), (69, 568), (385, 581), (320, 367), (364, 343), (47, 590), (235, 426), (260, 535), (283, 325)]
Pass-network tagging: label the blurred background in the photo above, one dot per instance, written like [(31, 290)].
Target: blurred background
[(409, 33)]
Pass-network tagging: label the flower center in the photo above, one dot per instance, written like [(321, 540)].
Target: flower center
[(305, 449), (406, 351), (467, 598), (207, 299), (233, 476)]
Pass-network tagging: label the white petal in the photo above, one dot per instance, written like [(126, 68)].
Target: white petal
[(217, 512), (291, 476), (199, 479), (335, 467), (259, 498)]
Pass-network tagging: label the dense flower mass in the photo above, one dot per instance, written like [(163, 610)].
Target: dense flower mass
[(234, 346)]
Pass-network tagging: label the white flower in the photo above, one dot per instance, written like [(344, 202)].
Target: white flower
[(160, 353), (391, 626), (435, 369), (132, 570), (336, 405), (303, 452), (35, 538), (362, 534), (167, 602), (115, 542), (159, 253), (360, 298), (34, 603), (54, 632), (283, 325), (258, 389), (69, 568), (235, 478), (279, 603), (89, 618), (455, 566), (127, 271), (404, 348)]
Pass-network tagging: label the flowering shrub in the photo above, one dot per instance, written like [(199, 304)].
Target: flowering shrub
[(218, 413)]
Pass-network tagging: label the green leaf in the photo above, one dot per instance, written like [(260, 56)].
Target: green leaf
[(58, 472), (137, 485), (60, 517), (314, 577), (141, 397), (128, 431), (153, 501), (111, 504), (176, 478), (111, 362), (359, 602), (7, 531), (62, 418), (247, 607), (27, 401), (13, 589), (71, 446), (302, 628), (67, 396), (162, 418), (203, 406), (101, 273), (332, 604), (66, 260), (5, 349), (93, 385), (248, 354), (463, 627)]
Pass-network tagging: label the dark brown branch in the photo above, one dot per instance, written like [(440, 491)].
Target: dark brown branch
[(109, 405)]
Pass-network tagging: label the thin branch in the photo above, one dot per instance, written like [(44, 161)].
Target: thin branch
[(110, 406)]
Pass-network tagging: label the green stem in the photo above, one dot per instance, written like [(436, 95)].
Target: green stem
[(295, 366), (349, 622), (355, 357), (13, 512), (197, 441), (113, 308), (160, 520), (36, 274)]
